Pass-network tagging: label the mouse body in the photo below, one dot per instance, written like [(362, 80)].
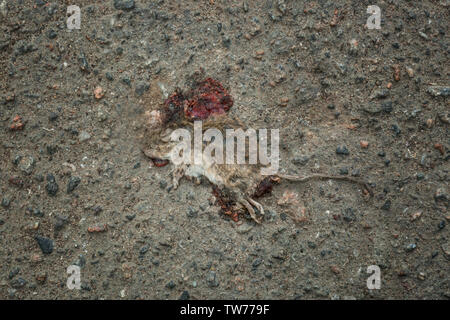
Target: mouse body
[(235, 186)]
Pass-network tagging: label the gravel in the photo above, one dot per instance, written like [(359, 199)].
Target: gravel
[(45, 244), (73, 183), (51, 187)]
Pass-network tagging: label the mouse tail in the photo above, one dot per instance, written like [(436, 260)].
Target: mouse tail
[(301, 178)]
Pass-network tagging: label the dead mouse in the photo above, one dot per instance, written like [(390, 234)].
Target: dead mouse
[(235, 186)]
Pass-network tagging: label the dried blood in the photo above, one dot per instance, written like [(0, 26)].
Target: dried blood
[(159, 162), (173, 107), (264, 187), (225, 204), (207, 98)]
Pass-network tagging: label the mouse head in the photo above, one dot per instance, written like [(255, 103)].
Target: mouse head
[(207, 100)]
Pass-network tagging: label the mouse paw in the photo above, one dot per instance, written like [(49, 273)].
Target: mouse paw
[(257, 205), (177, 174), (247, 203), (250, 210)]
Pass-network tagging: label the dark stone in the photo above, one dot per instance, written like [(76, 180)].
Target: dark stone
[(81, 261), (170, 285), (440, 194), (192, 213), (301, 160), (84, 64), (130, 217), (60, 222), (349, 215), (124, 4), (22, 47), (53, 116), (212, 280), (97, 210), (143, 250), (387, 106), (85, 287), (226, 41), (73, 183), (439, 91), (163, 184), (342, 150), (155, 262), (45, 244), (356, 173), (52, 186), (6, 203), (311, 244), (184, 295), (381, 94), (141, 88), (387, 205), (396, 129), (109, 76), (18, 283), (52, 34), (51, 150), (38, 213), (14, 272), (127, 81), (256, 263)]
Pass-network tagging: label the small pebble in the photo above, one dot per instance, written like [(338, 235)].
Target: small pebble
[(84, 136), (45, 244), (73, 183), (342, 150), (52, 186)]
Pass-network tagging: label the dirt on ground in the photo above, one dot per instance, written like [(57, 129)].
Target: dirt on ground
[(76, 189)]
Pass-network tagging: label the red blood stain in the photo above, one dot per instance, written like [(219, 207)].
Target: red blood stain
[(265, 186), (159, 162), (207, 99), (225, 204)]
